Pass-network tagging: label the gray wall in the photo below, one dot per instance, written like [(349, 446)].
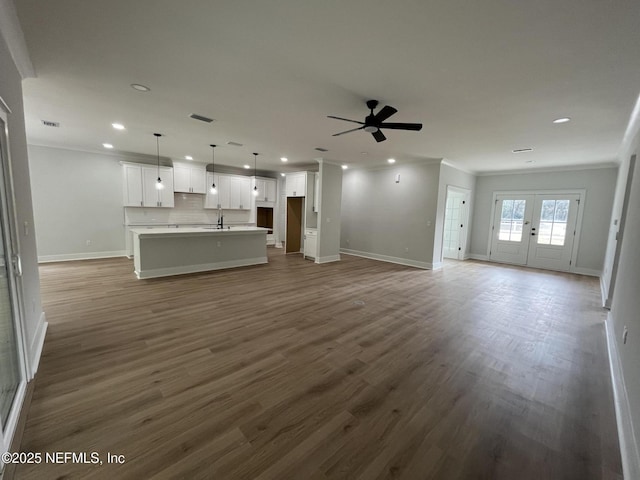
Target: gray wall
[(599, 185), (77, 196), (330, 200), (11, 93), (389, 220), (625, 303), (451, 177)]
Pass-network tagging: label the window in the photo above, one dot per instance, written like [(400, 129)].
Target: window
[(511, 220), (553, 222)]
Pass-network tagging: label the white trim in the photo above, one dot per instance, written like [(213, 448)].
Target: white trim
[(477, 256), (37, 344), (14, 38), (628, 446), (562, 168), (604, 288), (202, 267), (449, 164), (586, 271), (436, 266), (67, 257), (328, 259), (386, 258)]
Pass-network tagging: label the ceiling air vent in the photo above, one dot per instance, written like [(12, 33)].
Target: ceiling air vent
[(195, 116), (320, 149), (47, 123), (234, 144)]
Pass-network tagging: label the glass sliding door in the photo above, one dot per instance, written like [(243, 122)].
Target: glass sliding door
[(12, 365)]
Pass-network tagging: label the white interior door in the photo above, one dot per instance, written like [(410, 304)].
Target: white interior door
[(511, 228), (553, 231), (456, 217)]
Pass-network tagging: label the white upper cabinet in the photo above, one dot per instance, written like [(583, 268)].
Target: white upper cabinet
[(189, 178), (266, 189), (234, 192), (132, 182), (140, 186), (316, 191), (296, 184)]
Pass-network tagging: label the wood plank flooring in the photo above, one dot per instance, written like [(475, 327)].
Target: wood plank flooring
[(350, 370)]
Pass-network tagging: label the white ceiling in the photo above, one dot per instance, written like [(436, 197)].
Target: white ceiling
[(483, 77)]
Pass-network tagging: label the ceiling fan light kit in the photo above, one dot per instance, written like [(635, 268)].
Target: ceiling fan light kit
[(374, 122)]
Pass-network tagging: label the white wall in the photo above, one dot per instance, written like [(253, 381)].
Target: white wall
[(77, 197), (330, 206), (451, 177), (11, 93), (388, 220), (625, 308), (599, 184)]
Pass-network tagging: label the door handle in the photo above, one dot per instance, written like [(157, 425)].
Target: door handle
[(17, 265)]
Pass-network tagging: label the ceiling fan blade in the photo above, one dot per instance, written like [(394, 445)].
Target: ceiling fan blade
[(379, 136), (385, 113), (345, 119), (342, 133), (402, 126)]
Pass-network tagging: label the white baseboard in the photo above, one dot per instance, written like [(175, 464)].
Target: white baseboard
[(81, 256), (204, 267), (37, 343), (604, 292), (475, 256), (628, 446), (387, 258), (436, 266), (328, 259), (586, 271)]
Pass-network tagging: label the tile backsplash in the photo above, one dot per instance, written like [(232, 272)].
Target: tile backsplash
[(188, 209)]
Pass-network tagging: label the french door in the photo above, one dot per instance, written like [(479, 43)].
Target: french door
[(12, 364), (537, 230)]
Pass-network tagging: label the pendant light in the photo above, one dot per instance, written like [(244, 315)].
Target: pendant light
[(213, 167), (159, 185), (255, 162)]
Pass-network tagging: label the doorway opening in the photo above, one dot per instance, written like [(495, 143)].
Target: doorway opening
[(293, 242), (456, 220)]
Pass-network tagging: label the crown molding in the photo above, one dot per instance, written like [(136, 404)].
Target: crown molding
[(14, 38)]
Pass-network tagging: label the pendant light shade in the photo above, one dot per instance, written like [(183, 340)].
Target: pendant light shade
[(213, 189), (255, 162), (159, 184)]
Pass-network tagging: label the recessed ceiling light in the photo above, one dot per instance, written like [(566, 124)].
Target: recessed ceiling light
[(522, 150), (140, 88), (107, 145), (117, 126), (283, 174), (391, 160), (247, 167), (284, 159), (344, 167), (562, 120), (188, 157)]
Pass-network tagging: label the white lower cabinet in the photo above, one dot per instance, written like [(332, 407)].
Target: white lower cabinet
[(311, 242)]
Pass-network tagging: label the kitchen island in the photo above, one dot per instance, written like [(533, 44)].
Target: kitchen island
[(161, 252)]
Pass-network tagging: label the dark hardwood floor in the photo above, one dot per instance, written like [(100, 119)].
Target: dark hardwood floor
[(350, 370)]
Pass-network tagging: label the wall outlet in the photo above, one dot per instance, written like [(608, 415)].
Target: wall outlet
[(625, 334), (88, 243)]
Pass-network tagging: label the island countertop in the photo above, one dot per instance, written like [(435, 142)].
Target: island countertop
[(198, 230)]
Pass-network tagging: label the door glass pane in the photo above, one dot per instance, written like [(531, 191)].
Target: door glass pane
[(511, 220), (9, 366), (553, 222)]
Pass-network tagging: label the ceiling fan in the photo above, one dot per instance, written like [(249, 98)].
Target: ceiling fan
[(373, 123)]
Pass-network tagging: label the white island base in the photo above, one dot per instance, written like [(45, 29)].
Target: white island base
[(161, 252)]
